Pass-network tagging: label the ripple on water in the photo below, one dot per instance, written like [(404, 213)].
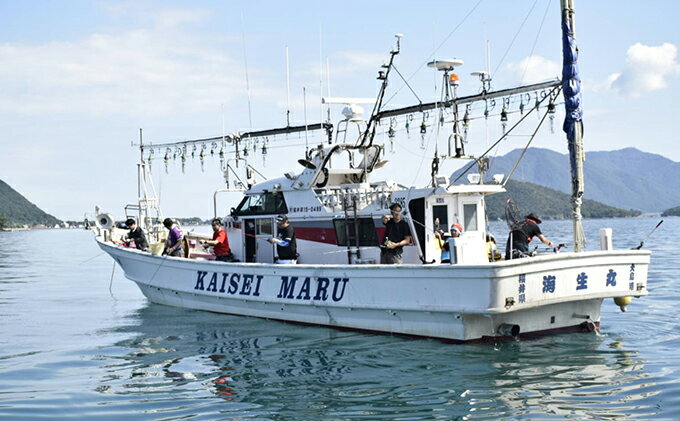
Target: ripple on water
[(70, 350)]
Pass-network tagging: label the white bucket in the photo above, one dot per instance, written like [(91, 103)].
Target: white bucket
[(157, 248)]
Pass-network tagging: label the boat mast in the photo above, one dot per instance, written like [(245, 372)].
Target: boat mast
[(141, 178), (573, 124), (366, 139)]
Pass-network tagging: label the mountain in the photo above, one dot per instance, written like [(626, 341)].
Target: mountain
[(547, 203), (626, 178), (16, 210), (671, 212)]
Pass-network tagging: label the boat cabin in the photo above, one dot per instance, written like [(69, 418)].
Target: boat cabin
[(340, 222)]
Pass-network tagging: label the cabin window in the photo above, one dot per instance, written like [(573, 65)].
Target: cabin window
[(367, 234), (440, 217), (470, 217), (262, 204), (264, 226)]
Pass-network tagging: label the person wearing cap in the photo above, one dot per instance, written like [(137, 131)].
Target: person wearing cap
[(521, 234), (397, 235), (443, 241), (136, 234), (220, 241), (286, 246), (173, 244)]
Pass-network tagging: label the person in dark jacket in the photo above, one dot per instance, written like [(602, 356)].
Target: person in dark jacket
[(397, 235), (136, 234), (521, 234), (286, 245)]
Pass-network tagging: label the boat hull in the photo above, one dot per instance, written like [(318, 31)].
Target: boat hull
[(551, 293)]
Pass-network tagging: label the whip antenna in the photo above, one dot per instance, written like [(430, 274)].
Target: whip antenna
[(642, 243)]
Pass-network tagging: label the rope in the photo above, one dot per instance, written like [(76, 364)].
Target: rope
[(436, 49), (406, 82), (514, 38), (531, 54), (91, 258), (533, 135), (159, 266), (111, 281), (555, 91)]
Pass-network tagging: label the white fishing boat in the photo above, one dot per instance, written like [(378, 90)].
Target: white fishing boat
[(335, 207)]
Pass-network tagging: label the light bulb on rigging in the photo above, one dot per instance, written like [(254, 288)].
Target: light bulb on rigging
[(551, 115), (466, 122), (423, 132)]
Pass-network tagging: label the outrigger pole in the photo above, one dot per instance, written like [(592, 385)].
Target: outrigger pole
[(328, 127), (463, 100), (573, 120)]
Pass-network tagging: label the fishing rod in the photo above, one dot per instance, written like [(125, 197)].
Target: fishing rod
[(642, 243), (552, 249)]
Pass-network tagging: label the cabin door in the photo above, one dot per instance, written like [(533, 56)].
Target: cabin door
[(437, 219), (250, 240), (257, 232), (264, 230), (472, 214), (416, 209)]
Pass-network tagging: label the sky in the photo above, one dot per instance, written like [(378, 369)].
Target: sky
[(78, 80)]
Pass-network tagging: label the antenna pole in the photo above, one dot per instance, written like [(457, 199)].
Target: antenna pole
[(222, 106), (486, 85), (328, 87), (287, 89), (488, 51), (245, 61), (321, 79), (304, 104), (140, 174), (369, 133), (141, 146)]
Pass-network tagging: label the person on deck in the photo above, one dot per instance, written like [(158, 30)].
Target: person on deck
[(442, 239), (397, 235), (521, 234), (173, 245), (491, 248), (220, 241), (136, 234), (286, 246)]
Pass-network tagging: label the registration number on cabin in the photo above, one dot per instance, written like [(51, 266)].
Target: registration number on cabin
[(305, 209)]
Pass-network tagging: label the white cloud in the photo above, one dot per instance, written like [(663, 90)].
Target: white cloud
[(158, 70), (173, 18), (352, 60), (647, 69), (343, 64), (535, 69)]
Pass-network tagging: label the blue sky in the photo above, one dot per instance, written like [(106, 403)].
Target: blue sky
[(79, 78)]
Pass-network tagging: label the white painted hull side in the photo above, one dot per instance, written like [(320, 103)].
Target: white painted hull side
[(453, 302)]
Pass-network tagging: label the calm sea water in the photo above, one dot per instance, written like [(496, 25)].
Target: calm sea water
[(75, 346)]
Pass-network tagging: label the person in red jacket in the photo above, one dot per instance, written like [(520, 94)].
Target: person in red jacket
[(220, 241)]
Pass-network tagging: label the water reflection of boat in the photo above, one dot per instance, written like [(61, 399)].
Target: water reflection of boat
[(214, 352), (258, 366), (336, 208)]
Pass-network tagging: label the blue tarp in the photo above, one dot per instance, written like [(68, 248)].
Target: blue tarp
[(571, 87)]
